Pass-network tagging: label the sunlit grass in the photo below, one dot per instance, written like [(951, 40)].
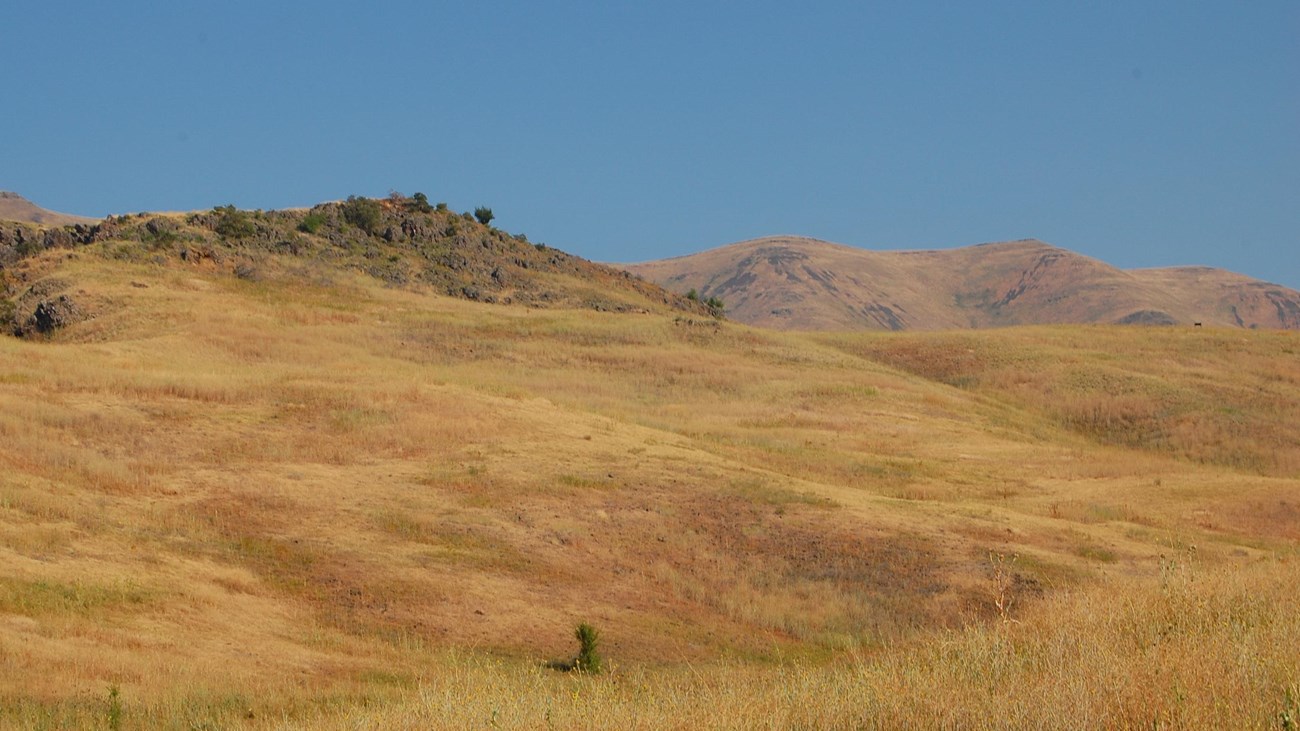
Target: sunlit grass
[(283, 503)]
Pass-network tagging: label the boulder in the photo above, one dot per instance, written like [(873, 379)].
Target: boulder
[(50, 315), (159, 226)]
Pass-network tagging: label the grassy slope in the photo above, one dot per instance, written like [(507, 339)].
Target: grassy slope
[(285, 498)]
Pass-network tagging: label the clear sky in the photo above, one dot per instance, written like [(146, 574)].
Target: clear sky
[(1141, 133)]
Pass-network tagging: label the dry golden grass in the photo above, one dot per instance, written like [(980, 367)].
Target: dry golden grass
[(332, 504), (1200, 647), (1213, 395)]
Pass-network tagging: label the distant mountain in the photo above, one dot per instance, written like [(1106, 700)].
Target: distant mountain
[(14, 207), (806, 284)]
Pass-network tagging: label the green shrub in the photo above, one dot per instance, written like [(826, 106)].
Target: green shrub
[(716, 308), (114, 708), (233, 223), (588, 660), (364, 213), (8, 314), (312, 222), (484, 215), (420, 203)]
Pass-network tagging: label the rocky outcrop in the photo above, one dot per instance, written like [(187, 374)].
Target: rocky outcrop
[(396, 240), (44, 308), (18, 240), (1147, 317), (51, 315)]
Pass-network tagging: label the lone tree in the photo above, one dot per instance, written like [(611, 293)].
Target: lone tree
[(483, 214)]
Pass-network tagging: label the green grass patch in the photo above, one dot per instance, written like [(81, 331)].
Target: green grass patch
[(759, 490), (839, 392), (587, 483), (43, 598), (1094, 552), (354, 419)]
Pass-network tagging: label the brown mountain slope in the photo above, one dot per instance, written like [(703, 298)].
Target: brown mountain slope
[(1242, 300), (807, 284), (14, 207)]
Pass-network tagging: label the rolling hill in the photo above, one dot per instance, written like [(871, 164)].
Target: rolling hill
[(402, 242), (369, 465), (806, 284), (14, 207)]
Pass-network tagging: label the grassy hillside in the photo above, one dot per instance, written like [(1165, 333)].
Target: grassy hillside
[(402, 242), (805, 284), (1214, 396), (304, 494)]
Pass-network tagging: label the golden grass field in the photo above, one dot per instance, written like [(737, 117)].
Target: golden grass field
[(319, 502)]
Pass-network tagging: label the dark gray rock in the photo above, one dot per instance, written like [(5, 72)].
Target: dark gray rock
[(1147, 317), (50, 315), (161, 226)]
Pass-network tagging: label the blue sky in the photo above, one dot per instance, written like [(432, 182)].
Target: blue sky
[(1143, 133)]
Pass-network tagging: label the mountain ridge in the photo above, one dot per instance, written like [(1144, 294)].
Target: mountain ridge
[(802, 283)]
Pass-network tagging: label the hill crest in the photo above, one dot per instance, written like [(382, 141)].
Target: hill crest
[(403, 242), (801, 283)]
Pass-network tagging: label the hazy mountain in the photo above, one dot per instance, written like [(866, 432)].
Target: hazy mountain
[(802, 283), (14, 207)]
